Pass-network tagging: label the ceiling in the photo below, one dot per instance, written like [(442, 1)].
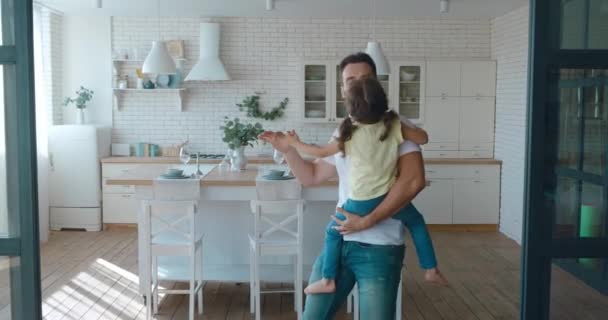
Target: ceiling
[(289, 8)]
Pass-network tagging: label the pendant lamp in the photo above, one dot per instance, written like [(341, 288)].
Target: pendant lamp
[(159, 61)]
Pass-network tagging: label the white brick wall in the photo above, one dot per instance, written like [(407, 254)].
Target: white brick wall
[(510, 50), (264, 54), (52, 68)]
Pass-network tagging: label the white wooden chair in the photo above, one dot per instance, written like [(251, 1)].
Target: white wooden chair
[(277, 231), (174, 242), (352, 302)]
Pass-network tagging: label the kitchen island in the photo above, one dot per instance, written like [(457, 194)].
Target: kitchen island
[(224, 203), (461, 193)]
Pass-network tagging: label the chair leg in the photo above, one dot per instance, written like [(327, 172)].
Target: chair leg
[(295, 284), (349, 303), (251, 283), (399, 301), (155, 298), (199, 262), (356, 303), (299, 289), (258, 296), (148, 295), (192, 287)]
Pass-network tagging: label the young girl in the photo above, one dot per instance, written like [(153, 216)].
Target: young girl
[(370, 136)]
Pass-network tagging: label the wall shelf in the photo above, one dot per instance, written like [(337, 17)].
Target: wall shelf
[(180, 92)]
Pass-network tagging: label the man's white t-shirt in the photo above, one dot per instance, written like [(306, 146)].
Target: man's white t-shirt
[(387, 232)]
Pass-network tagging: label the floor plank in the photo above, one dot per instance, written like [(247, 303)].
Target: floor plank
[(93, 275)]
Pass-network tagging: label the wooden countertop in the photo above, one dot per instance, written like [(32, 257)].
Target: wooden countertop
[(260, 160), (244, 178), (176, 160), (461, 161)]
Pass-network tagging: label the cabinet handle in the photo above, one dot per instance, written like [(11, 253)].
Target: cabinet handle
[(476, 181), (430, 171), (52, 164), (126, 196), (124, 170)]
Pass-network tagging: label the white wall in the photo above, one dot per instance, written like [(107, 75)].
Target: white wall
[(510, 49), (86, 62), (265, 54)]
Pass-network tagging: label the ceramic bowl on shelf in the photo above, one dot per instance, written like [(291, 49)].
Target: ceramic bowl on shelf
[(163, 80), (405, 76), (382, 77), (314, 77), (315, 114)]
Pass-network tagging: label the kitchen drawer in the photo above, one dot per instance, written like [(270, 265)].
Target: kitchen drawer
[(439, 146), (440, 154), (117, 188), (474, 172), (120, 208), (117, 171), (133, 171), (484, 154), (466, 146)]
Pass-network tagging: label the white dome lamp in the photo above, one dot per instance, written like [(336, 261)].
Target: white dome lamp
[(158, 61), (374, 50)]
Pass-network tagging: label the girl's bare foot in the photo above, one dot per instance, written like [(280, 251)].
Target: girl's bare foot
[(321, 286), (435, 277)]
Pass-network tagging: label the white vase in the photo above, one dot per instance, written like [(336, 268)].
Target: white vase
[(238, 161), (79, 116)]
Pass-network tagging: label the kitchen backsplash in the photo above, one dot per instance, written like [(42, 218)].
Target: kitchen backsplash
[(265, 54)]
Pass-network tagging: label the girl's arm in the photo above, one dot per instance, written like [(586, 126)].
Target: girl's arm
[(313, 150), (414, 134)]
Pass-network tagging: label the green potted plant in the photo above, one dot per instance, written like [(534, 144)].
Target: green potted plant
[(239, 135), (83, 96)]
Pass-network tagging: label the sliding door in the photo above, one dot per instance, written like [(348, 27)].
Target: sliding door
[(19, 249), (565, 255)]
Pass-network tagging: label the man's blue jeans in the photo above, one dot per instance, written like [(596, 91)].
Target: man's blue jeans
[(408, 215), (376, 270)]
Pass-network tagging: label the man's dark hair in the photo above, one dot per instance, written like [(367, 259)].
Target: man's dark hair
[(359, 57)]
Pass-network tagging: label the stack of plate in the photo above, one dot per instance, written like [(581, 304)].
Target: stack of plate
[(174, 174)]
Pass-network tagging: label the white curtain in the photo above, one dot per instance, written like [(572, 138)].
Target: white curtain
[(43, 101)]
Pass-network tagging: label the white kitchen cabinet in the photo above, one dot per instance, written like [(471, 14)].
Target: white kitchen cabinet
[(408, 95), (435, 202), (460, 194), (476, 201), (443, 79), (478, 79), (120, 208), (441, 122), (476, 120), (317, 91), (119, 202)]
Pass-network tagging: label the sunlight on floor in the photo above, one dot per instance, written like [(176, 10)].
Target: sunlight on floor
[(104, 291)]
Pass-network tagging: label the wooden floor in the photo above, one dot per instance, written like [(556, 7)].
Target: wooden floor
[(94, 276)]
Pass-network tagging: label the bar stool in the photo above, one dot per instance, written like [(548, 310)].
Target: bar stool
[(352, 301), (174, 242), (276, 234)]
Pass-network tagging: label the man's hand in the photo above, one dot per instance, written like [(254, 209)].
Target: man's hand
[(278, 140), (352, 223)]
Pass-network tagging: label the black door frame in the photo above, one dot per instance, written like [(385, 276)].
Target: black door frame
[(538, 246), (22, 244)]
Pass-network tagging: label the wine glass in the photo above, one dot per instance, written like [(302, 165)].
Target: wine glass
[(184, 156), (278, 157)]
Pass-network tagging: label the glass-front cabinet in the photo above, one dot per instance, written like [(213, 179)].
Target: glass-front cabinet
[(408, 97), (317, 97), (322, 94)]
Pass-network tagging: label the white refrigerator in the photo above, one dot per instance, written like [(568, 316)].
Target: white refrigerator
[(75, 152)]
